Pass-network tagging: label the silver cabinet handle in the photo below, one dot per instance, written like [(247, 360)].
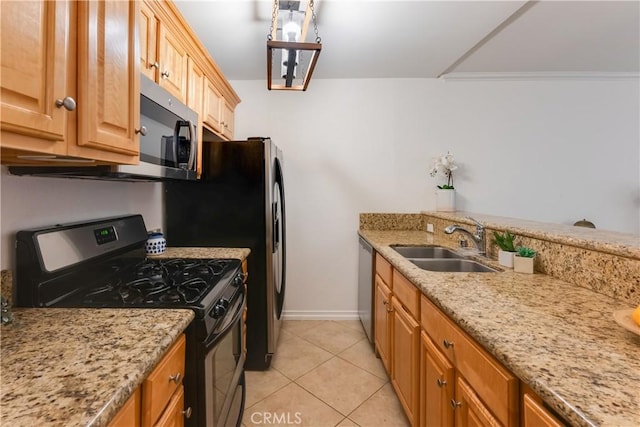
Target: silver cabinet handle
[(455, 405), (441, 383), (175, 378), (187, 412), (68, 103), (165, 74), (142, 131), (154, 65), (447, 344)]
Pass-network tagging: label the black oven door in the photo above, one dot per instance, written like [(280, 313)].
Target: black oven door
[(224, 391)]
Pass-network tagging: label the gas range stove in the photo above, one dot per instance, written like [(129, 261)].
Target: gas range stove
[(65, 266)]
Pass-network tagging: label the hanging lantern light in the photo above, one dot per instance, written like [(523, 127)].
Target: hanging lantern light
[(287, 52)]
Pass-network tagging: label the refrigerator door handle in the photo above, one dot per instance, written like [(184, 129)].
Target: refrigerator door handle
[(276, 227)]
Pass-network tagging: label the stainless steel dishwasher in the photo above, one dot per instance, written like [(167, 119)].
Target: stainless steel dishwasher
[(365, 287)]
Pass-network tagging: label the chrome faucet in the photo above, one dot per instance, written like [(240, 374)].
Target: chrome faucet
[(478, 238)]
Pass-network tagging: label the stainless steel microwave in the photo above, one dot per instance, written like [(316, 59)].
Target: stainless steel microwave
[(168, 144)]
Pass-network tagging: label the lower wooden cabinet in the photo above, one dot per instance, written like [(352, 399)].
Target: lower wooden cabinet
[(163, 383), (129, 414), (173, 416), (469, 409), (534, 413), (405, 356), (382, 319), (437, 385)]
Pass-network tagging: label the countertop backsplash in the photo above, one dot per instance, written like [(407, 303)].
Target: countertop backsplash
[(605, 262)]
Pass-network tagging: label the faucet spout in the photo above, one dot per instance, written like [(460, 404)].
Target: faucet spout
[(478, 238)]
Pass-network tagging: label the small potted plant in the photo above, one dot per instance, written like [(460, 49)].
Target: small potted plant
[(523, 261), (446, 193), (507, 249)]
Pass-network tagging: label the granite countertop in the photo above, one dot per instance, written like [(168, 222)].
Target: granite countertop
[(237, 253), (558, 338), (77, 367)]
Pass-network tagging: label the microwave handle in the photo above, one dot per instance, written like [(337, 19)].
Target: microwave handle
[(192, 152)]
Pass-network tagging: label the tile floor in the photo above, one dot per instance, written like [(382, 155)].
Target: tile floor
[(324, 374)]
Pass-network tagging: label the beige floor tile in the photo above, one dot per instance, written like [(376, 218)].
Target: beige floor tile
[(298, 327), (261, 384), (362, 355), (295, 356), (383, 409), (291, 405), (332, 336), (353, 324), (340, 384)]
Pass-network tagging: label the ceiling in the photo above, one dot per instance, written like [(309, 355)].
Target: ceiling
[(412, 39)]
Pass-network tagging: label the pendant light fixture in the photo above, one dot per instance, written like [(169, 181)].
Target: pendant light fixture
[(291, 60)]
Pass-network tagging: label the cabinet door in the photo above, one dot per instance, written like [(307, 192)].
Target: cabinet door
[(35, 62), (129, 414), (173, 64), (404, 360), (228, 118), (108, 76), (437, 386), (195, 96), (213, 102), (382, 321), (535, 415), (148, 42), (469, 409)]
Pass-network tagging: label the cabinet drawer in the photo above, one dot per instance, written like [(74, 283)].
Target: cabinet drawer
[(493, 383), (163, 381), (173, 416), (407, 294), (534, 414), (383, 269)]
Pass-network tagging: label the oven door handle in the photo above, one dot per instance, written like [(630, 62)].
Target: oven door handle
[(238, 306)]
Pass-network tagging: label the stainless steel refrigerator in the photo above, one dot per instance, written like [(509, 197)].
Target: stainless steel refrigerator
[(239, 202)]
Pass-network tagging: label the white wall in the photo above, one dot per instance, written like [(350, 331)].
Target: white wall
[(555, 151), (28, 202)]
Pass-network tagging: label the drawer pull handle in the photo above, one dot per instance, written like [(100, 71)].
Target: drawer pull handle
[(175, 378), (187, 412), (441, 383), (455, 405), (68, 103), (385, 302), (154, 65), (165, 74), (389, 310), (142, 131), (447, 344)]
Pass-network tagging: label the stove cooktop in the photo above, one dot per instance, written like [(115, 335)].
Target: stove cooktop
[(148, 283)]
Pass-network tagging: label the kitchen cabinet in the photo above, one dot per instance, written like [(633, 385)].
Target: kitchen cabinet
[(162, 390), (485, 391), (405, 343), (437, 386), (148, 42), (195, 101), (173, 57), (534, 413), (66, 92), (383, 310), (129, 414)]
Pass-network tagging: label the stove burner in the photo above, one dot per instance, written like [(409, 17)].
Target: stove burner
[(157, 282)]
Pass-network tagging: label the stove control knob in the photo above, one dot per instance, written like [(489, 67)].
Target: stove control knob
[(237, 281), (220, 308)]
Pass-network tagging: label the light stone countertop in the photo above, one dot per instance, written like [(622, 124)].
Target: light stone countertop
[(77, 367), (171, 252), (558, 338)]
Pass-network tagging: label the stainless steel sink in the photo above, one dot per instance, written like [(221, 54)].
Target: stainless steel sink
[(452, 265), (425, 252)]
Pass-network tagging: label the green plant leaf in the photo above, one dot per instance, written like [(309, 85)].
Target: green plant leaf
[(504, 241)]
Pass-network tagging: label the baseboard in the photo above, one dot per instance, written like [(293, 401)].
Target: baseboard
[(319, 315)]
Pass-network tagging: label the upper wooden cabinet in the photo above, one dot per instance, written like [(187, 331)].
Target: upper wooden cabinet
[(148, 42), (66, 91), (172, 56)]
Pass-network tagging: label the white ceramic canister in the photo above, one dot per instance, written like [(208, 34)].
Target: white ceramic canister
[(156, 243)]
